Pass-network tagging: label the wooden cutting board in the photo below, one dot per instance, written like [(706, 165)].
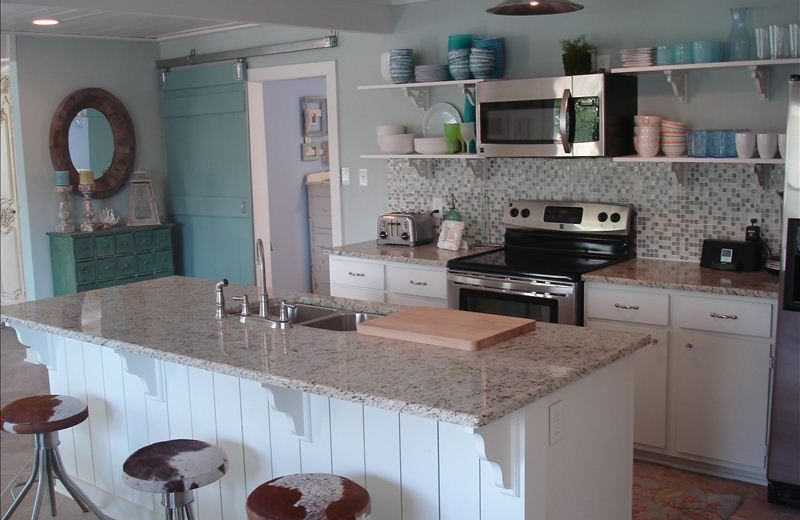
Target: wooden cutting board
[(447, 327)]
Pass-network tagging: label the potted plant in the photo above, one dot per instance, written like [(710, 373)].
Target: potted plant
[(577, 55)]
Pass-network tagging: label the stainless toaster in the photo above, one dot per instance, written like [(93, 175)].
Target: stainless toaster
[(408, 229)]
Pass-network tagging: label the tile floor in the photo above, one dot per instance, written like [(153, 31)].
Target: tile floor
[(18, 379)]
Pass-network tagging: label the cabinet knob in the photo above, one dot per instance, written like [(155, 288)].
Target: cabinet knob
[(724, 316), (623, 306), (689, 346), (358, 275), (412, 282)]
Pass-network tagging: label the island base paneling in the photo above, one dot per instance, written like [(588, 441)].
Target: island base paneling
[(414, 468)]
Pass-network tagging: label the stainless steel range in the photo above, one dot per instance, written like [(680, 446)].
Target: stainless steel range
[(548, 246)]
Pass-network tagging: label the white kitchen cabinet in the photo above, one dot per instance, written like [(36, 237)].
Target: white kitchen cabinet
[(393, 282), (722, 397)]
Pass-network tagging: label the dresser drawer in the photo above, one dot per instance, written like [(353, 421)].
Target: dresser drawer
[(725, 315), (84, 248), (162, 238), (430, 283), (85, 272), (630, 306), (126, 266), (104, 246), (106, 269), (144, 263), (143, 240), (163, 261), (357, 274), (124, 242)]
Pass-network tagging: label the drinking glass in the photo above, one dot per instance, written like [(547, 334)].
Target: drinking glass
[(467, 136), (777, 41), (794, 48), (762, 43), (452, 132)]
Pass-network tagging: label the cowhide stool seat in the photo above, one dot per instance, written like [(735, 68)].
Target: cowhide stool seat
[(174, 468), (43, 416), (309, 496)]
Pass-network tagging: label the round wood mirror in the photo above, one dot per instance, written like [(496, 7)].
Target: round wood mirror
[(93, 144)]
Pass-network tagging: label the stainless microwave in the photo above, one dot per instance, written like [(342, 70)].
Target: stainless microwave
[(569, 116)]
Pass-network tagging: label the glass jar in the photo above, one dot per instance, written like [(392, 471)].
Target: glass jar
[(739, 37)]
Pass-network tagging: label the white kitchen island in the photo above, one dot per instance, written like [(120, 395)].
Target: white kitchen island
[(539, 427)]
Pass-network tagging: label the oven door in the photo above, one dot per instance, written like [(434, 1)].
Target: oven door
[(542, 300)]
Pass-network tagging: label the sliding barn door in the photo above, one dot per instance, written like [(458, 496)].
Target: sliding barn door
[(208, 171)]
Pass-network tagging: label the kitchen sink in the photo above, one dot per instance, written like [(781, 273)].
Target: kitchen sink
[(302, 312), (343, 321)]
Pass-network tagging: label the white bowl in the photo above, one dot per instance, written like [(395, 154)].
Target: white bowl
[(390, 130), (647, 121), (646, 130), (396, 143), (648, 148), (430, 145)]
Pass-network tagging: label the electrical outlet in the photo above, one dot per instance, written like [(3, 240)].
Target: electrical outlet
[(345, 176), (362, 176), (438, 203), (604, 62), (556, 422)]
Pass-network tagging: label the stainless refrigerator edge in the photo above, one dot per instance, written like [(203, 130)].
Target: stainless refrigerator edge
[(783, 466)]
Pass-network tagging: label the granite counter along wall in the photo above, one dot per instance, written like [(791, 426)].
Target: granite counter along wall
[(716, 200)]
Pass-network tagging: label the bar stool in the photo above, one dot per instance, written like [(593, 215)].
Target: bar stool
[(309, 496), (43, 416), (174, 468)]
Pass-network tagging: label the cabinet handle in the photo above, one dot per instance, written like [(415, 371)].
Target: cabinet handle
[(724, 316), (689, 346), (412, 282), (360, 275), (631, 307)]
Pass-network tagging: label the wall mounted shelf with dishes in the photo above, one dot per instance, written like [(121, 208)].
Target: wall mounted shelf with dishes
[(679, 163), (421, 163), (419, 92), (678, 75)]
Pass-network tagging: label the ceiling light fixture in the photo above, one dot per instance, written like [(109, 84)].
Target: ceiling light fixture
[(534, 7), (46, 21)]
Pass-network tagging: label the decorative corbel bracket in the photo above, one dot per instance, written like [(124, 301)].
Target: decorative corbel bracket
[(478, 167), (679, 170), (469, 92), (418, 95), (295, 406), (761, 77), (498, 443), (149, 370), (422, 167), (679, 79), (38, 346)]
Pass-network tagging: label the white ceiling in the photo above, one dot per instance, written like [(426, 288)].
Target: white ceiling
[(158, 19)]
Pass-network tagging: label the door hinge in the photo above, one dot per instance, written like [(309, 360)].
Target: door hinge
[(771, 361)]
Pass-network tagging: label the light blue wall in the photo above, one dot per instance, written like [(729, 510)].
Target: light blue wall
[(288, 203), (718, 98), (48, 69)]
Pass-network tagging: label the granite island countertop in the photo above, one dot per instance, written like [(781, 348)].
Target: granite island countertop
[(172, 319), (686, 276), (426, 254)]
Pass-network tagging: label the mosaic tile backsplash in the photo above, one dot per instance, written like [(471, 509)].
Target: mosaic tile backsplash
[(715, 201)]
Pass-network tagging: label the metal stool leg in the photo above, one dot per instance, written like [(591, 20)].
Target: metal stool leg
[(51, 484), (74, 490), (37, 501), (178, 505), (27, 487)]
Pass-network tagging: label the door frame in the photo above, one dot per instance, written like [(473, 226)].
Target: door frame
[(258, 144)]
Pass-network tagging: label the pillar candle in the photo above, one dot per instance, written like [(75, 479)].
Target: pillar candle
[(62, 178), (86, 176)]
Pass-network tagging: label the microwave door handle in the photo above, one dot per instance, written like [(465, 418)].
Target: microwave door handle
[(562, 121)]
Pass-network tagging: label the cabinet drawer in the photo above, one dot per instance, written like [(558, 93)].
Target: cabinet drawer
[(143, 240), (124, 242), (371, 295), (126, 266), (357, 274), (106, 269), (725, 315), (630, 306), (144, 263), (162, 238), (107, 283), (85, 272), (418, 282), (163, 261), (104, 246), (86, 287), (84, 248)]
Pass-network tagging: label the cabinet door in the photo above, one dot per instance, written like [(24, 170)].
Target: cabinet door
[(722, 397), (650, 393)]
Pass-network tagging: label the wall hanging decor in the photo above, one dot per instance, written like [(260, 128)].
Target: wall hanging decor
[(142, 209), (315, 116)]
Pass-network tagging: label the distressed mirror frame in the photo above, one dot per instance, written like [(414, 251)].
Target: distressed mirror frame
[(121, 129)]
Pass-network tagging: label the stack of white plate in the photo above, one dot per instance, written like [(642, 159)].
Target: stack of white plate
[(425, 73), (641, 57)]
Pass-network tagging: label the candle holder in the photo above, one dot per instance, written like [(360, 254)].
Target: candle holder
[(65, 224), (88, 211)]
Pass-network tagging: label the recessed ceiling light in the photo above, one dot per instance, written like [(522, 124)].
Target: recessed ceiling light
[(46, 21)]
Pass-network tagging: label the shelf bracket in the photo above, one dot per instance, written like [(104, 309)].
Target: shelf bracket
[(419, 96), (421, 166), (679, 170), (478, 167), (679, 79), (470, 94), (761, 77), (761, 171), (498, 444)]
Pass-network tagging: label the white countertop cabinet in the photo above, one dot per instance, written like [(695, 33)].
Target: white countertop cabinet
[(703, 387)]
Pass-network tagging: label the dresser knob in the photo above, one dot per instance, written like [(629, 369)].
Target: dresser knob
[(689, 346)]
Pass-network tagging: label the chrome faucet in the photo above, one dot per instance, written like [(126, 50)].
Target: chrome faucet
[(220, 298), (261, 280)]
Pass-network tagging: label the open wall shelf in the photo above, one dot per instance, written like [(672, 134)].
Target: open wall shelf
[(679, 163), (419, 92)]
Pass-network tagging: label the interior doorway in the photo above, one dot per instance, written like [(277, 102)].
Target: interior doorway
[(294, 154)]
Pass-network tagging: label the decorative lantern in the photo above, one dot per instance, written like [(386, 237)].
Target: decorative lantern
[(142, 209)]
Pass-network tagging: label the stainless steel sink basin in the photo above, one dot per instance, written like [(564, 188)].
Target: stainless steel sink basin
[(302, 313), (343, 321)]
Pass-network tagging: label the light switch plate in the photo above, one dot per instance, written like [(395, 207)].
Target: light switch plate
[(345, 176), (362, 176), (556, 422)]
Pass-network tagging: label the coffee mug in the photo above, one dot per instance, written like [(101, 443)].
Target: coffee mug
[(767, 143), (782, 145), (745, 144)]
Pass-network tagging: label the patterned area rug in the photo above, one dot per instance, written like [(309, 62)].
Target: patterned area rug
[(654, 500)]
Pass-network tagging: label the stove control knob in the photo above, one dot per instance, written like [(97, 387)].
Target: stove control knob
[(526, 213), (615, 217), (514, 212), (404, 236), (383, 234), (602, 217)]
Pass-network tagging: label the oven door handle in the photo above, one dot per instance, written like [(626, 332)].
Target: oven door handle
[(563, 124), (510, 291)]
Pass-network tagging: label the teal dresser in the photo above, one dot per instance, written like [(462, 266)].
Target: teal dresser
[(84, 261)]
